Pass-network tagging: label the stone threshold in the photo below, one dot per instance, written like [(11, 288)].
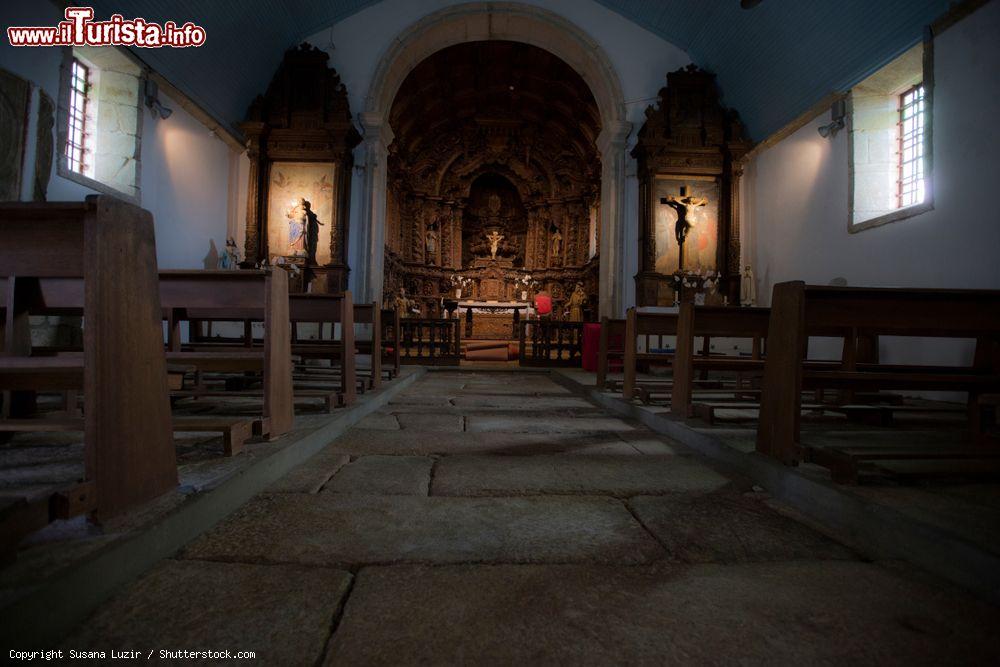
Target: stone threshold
[(48, 611), (873, 528)]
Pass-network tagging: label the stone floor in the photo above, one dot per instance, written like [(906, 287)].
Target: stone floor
[(497, 518)]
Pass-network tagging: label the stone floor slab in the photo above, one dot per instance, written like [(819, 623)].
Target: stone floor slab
[(521, 402), (531, 423), (620, 476), (371, 441), (730, 528), (801, 613), (379, 421), (281, 612), (309, 477), (332, 529), (384, 475), (429, 421)]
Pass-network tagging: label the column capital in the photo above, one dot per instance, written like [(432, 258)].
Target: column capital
[(613, 136), (376, 128)]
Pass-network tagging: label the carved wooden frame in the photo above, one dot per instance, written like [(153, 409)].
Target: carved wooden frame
[(303, 117), (689, 134)]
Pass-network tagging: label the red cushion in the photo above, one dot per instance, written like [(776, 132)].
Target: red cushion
[(543, 304)]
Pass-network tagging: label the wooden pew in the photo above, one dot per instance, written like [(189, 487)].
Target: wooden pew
[(639, 323), (391, 338), (708, 322), (236, 295), (612, 344), (329, 309), (799, 311), (371, 314), (100, 254)]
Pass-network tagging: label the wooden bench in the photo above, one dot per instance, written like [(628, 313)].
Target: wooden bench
[(611, 346), (644, 325), (102, 254), (799, 311), (370, 314), (260, 296), (708, 322), (332, 309), (391, 337)]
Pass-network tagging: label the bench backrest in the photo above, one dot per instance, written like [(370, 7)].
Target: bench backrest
[(103, 253)]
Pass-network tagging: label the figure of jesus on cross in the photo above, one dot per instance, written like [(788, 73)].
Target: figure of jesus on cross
[(683, 204)]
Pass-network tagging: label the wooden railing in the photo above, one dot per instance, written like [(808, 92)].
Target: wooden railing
[(436, 342), (550, 343)]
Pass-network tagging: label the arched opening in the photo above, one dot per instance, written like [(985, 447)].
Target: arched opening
[(493, 182), (498, 21)]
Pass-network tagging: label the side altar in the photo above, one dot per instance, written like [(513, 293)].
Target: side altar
[(492, 320)]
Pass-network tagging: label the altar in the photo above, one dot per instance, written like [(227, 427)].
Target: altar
[(492, 320)]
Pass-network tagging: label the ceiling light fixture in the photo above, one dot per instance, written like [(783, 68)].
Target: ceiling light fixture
[(153, 101), (838, 114)]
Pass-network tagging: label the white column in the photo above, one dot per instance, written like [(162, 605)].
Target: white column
[(377, 137), (611, 145)]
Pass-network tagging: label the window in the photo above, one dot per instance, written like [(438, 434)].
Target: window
[(100, 120), (889, 146), (911, 146), (76, 132)]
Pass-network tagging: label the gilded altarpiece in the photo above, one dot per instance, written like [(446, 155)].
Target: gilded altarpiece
[(300, 138), (688, 156), (486, 203)]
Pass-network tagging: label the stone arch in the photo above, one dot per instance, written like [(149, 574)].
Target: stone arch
[(509, 21)]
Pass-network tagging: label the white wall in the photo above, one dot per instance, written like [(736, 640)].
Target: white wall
[(185, 170), (640, 59), (799, 205), (798, 199)]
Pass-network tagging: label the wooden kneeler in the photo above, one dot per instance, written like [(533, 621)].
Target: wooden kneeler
[(128, 444)]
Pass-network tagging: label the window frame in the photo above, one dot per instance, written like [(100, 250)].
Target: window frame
[(76, 118), (63, 169), (906, 212), (916, 134)]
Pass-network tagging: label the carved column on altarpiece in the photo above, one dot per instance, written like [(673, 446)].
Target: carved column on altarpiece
[(457, 233), (255, 193), (581, 219), (444, 230)]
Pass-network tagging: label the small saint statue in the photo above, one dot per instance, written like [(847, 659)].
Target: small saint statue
[(402, 303), (577, 300), (683, 204), (494, 238), (303, 231), (230, 258), (431, 243), (748, 288), (556, 242), (297, 221)]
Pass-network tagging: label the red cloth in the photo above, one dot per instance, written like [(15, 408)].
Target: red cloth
[(543, 304), (591, 346)]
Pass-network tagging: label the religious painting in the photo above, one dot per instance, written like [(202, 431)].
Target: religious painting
[(702, 240), (301, 215), (14, 93)]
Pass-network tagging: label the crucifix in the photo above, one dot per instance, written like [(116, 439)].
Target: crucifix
[(683, 204)]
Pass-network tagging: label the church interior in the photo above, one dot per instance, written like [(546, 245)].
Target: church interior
[(396, 332)]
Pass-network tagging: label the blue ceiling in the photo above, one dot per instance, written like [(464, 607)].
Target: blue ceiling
[(773, 62)]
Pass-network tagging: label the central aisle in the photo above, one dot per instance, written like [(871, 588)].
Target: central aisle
[(497, 518)]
